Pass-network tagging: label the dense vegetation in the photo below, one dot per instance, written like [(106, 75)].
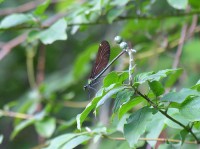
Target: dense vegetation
[(46, 53)]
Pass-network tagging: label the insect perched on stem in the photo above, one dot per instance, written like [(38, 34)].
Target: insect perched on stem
[(101, 63)]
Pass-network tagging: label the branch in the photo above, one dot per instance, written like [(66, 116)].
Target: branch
[(168, 116), (6, 48), (41, 65), (72, 104), (158, 17), (15, 114), (180, 46), (24, 7), (153, 139)]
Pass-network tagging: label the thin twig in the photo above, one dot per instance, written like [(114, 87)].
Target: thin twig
[(24, 7), (192, 27), (41, 65), (180, 47), (15, 114), (73, 104), (153, 139), (6, 48)]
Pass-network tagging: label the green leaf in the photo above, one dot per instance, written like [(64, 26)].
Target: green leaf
[(129, 105), (21, 126), (155, 127), (115, 77), (123, 76), (15, 20), (152, 76), (183, 134), (196, 86), (156, 87), (42, 7), (60, 140), (110, 79), (173, 77), (178, 4), (179, 97), (83, 60), (194, 3), (56, 32), (121, 98), (136, 125), (75, 142), (190, 109), (119, 2), (81, 117), (114, 13), (46, 126), (108, 95)]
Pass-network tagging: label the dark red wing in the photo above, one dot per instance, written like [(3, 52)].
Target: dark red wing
[(101, 59)]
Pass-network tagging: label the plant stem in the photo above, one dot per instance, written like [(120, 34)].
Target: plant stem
[(168, 116), (151, 139)]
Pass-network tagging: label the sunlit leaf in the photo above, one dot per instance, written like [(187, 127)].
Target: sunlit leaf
[(179, 97), (178, 4), (15, 19), (76, 141), (60, 140), (56, 32)]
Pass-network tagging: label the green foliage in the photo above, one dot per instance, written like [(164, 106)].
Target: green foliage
[(46, 127), (190, 109), (45, 57), (56, 32), (41, 8), (179, 97), (15, 20), (136, 125)]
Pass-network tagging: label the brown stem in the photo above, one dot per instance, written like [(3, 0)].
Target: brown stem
[(180, 47), (6, 48), (41, 65), (24, 7), (151, 139)]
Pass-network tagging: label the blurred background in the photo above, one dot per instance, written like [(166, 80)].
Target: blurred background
[(47, 49)]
